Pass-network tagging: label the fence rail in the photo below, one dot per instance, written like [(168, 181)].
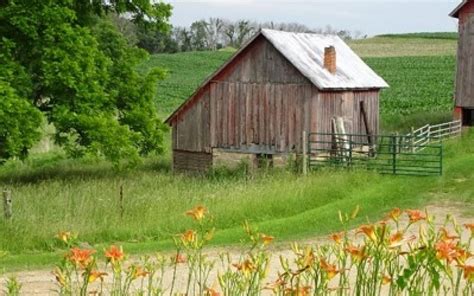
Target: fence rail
[(433, 134), (417, 153), (384, 154)]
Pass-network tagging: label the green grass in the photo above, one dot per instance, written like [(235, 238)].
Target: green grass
[(84, 197)]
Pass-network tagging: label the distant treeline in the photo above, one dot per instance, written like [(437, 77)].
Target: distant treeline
[(211, 34)]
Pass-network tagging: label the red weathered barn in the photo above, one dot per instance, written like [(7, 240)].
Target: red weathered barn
[(274, 88), (464, 95)]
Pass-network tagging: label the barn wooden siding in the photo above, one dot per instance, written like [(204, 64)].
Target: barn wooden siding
[(465, 70), (191, 133), (260, 103), (260, 118), (271, 118)]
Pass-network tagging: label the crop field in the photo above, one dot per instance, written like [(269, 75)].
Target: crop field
[(406, 45), (52, 193)]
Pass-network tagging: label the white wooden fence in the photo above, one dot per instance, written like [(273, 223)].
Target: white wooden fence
[(417, 139)]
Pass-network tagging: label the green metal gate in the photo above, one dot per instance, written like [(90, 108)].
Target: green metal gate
[(398, 155)]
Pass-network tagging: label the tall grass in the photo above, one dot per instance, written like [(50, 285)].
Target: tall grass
[(85, 198)]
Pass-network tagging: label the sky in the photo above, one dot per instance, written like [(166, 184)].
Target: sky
[(370, 17)]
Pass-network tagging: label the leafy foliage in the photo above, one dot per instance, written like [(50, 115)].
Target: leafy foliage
[(80, 72), (19, 118)]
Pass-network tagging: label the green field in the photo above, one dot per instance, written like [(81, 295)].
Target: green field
[(52, 193)]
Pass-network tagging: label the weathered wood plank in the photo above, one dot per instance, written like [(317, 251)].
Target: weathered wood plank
[(213, 115), (248, 116), (231, 114)]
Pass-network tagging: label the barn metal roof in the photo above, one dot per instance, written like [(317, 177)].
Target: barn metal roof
[(455, 12), (306, 52)]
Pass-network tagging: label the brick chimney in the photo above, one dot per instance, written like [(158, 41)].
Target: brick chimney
[(330, 59)]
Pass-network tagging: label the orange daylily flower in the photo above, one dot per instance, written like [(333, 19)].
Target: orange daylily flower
[(462, 256), (81, 257), (267, 239), (386, 280), (212, 292), (138, 271), (330, 269), (300, 291), (189, 236), (468, 273), (337, 237), (357, 254), (415, 215), (114, 254), (198, 213), (369, 231), (245, 267), (96, 275), (396, 240), (445, 250), (395, 214)]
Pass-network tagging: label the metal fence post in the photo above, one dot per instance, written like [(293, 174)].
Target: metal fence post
[(394, 155), (350, 151), (441, 160)]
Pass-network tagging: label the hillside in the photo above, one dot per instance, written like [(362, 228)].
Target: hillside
[(420, 71)]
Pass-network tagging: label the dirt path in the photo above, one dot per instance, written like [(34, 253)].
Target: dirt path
[(41, 282)]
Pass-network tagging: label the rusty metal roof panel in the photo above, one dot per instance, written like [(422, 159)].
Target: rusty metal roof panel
[(306, 52)]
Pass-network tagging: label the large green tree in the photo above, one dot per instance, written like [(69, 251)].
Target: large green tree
[(62, 61)]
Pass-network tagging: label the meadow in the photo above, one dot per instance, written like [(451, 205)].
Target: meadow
[(52, 193)]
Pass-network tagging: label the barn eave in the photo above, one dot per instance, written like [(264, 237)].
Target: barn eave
[(457, 10)]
